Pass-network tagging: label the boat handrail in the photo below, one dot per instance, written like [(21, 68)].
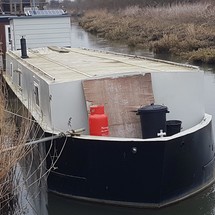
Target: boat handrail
[(144, 58)]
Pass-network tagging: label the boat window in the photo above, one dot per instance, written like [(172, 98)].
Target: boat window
[(9, 35), (36, 93), (19, 78), (11, 70)]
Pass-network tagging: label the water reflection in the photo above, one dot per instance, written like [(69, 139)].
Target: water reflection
[(31, 183), (200, 204), (82, 39)]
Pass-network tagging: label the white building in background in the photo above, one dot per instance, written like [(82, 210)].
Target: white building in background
[(40, 28)]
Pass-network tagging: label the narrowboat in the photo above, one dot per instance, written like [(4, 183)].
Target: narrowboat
[(135, 129)]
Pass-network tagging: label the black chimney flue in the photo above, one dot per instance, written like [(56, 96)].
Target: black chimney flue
[(23, 48)]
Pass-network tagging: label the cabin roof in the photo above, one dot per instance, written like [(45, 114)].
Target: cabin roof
[(70, 64), (6, 18), (39, 16)]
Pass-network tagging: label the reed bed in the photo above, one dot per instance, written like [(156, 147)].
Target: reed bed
[(23, 169), (13, 136), (184, 30)]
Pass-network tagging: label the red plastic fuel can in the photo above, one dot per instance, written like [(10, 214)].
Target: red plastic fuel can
[(98, 121)]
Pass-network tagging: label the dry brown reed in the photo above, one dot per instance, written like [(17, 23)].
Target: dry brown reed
[(22, 168), (180, 29), (13, 136)]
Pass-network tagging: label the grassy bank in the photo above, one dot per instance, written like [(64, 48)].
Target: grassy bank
[(185, 30)]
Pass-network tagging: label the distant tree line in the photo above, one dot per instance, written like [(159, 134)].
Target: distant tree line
[(114, 4)]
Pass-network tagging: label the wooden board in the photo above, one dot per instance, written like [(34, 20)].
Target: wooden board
[(121, 96)]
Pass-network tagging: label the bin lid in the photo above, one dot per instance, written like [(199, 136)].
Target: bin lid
[(153, 108), (173, 122)]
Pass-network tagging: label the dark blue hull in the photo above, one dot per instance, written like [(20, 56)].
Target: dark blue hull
[(134, 173)]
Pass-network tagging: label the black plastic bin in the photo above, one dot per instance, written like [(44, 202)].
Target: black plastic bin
[(173, 127), (153, 119)]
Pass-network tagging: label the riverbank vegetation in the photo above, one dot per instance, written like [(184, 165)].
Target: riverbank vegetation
[(12, 150), (79, 6), (23, 170), (185, 30)]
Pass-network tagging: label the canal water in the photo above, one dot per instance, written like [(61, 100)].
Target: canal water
[(201, 204)]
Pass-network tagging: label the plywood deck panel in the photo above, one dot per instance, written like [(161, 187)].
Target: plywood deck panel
[(121, 96)]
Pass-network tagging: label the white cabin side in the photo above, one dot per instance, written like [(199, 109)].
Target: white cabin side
[(32, 90), (57, 107), (54, 94), (41, 31), (182, 93), (68, 106)]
